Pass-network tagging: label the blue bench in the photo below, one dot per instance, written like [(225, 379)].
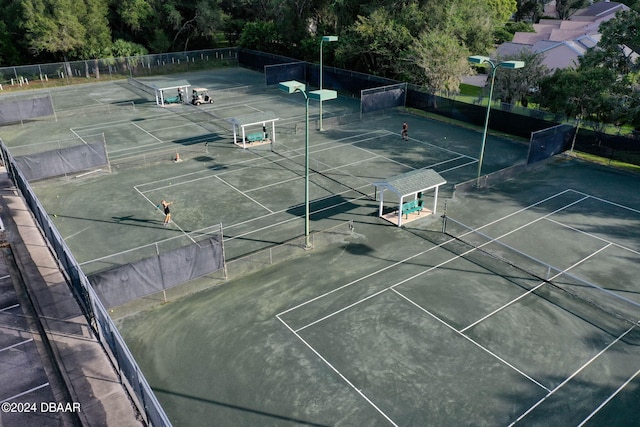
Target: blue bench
[(172, 100), (253, 137), (412, 206)]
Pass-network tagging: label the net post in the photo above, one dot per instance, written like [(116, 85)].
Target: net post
[(164, 289), (444, 219), (224, 257)]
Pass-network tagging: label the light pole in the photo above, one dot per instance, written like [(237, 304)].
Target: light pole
[(477, 59), (293, 86), (324, 39)]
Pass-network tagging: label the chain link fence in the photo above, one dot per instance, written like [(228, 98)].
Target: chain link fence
[(94, 310), (106, 69)]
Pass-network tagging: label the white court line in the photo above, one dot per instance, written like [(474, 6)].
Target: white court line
[(286, 220), (519, 211), (137, 147), (25, 392), (207, 176), (354, 144), (463, 165), (534, 289), (443, 263), (405, 260), (608, 202), (147, 132), (580, 369), (11, 306), (160, 115), (377, 156), (434, 146), (16, 345), (392, 287), (332, 144), (334, 369), (79, 137), (243, 193), (76, 233), (481, 347), (614, 394), (230, 226), (172, 221), (577, 230), (421, 308), (385, 133), (253, 108), (246, 163)]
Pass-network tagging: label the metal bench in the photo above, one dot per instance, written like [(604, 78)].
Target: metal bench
[(412, 206), (172, 100), (254, 137)]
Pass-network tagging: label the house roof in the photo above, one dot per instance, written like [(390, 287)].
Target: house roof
[(600, 9), (563, 42)]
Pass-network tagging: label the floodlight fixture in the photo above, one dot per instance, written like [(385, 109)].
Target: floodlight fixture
[(479, 60)]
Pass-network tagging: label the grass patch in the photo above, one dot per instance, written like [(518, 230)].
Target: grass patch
[(470, 90), (628, 167), (170, 68)]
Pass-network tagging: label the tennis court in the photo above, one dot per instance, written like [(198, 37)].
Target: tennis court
[(427, 330), (252, 193), (522, 308)]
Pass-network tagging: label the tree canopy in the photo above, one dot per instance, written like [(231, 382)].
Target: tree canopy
[(424, 42)]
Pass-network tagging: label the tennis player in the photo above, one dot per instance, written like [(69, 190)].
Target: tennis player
[(167, 212)]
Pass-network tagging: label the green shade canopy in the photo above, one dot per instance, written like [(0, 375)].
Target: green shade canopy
[(412, 182), (292, 86), (323, 94)]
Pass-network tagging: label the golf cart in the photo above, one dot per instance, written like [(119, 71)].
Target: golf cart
[(201, 96)]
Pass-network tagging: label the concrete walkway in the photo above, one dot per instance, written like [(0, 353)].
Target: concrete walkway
[(53, 370)]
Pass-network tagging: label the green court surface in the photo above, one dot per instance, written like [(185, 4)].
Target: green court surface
[(537, 324)]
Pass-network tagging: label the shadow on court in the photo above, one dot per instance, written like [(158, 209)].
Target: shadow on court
[(263, 416)]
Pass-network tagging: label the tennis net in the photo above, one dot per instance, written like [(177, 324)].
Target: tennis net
[(502, 259), (139, 84)]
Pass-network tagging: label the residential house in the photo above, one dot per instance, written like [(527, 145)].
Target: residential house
[(562, 42)]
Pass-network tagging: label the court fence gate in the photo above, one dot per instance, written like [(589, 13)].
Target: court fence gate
[(98, 317)]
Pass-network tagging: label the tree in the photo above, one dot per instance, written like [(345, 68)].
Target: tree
[(12, 46), (169, 24), (261, 35), (618, 47), (530, 10), (188, 21), (54, 26), (122, 48), (439, 60), (471, 22), (565, 8), (585, 93), (374, 44), (503, 9), (513, 85), (134, 13)]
